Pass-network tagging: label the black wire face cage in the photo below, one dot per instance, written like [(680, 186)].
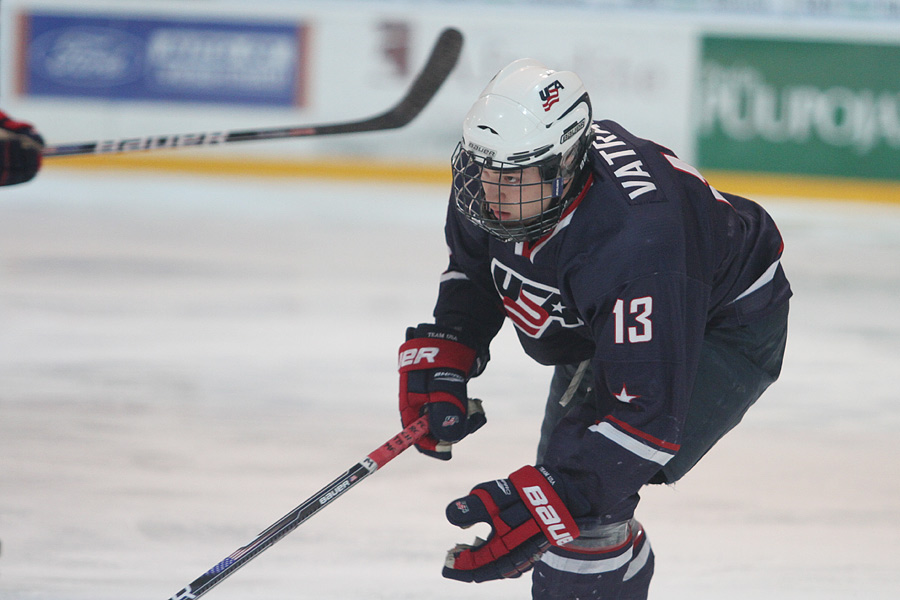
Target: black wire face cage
[(510, 210)]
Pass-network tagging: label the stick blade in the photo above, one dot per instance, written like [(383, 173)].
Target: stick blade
[(443, 58), (440, 63)]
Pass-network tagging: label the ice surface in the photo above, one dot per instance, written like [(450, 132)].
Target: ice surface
[(183, 360)]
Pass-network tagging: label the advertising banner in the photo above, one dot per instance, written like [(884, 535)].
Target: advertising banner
[(180, 60), (802, 107)]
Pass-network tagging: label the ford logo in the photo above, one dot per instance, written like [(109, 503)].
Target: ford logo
[(88, 57)]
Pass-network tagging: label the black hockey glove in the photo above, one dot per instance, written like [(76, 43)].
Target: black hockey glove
[(20, 151), (528, 513), (434, 368)]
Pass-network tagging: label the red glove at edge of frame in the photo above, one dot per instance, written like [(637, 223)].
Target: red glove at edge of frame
[(20, 151)]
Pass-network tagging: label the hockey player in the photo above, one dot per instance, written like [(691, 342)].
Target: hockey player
[(661, 302), (20, 151)]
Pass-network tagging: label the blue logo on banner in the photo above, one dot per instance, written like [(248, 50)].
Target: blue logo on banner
[(150, 59)]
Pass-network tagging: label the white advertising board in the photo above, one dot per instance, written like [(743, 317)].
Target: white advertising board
[(353, 60)]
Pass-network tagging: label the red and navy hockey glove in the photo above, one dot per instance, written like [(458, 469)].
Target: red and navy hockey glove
[(528, 513), (434, 368), (20, 151)]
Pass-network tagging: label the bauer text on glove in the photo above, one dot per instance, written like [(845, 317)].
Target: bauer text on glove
[(528, 512)]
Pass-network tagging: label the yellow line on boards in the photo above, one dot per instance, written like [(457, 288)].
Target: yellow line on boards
[(348, 168), (802, 186)]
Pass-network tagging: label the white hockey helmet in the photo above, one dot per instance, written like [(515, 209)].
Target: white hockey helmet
[(527, 116)]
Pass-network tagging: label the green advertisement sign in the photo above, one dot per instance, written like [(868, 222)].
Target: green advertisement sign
[(799, 107)]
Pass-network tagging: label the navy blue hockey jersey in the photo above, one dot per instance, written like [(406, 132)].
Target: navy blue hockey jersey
[(645, 260)]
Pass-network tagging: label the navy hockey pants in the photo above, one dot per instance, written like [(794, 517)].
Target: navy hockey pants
[(615, 560)]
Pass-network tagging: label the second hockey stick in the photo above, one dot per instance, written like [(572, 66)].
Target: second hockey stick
[(436, 70), (371, 463)]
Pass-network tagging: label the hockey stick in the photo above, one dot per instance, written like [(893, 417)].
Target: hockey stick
[(441, 62), (371, 463)]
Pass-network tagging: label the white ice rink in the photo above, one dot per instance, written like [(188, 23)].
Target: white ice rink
[(183, 360)]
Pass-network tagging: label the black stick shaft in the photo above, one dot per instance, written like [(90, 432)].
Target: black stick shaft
[(436, 70), (371, 463)]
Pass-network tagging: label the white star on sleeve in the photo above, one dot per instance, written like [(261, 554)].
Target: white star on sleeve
[(624, 396)]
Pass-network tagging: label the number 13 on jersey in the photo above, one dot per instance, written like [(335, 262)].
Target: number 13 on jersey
[(638, 313)]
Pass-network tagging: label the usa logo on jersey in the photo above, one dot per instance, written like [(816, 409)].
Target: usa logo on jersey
[(532, 307)]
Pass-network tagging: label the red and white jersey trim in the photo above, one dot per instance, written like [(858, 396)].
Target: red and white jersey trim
[(765, 278), (685, 167), (635, 441)]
